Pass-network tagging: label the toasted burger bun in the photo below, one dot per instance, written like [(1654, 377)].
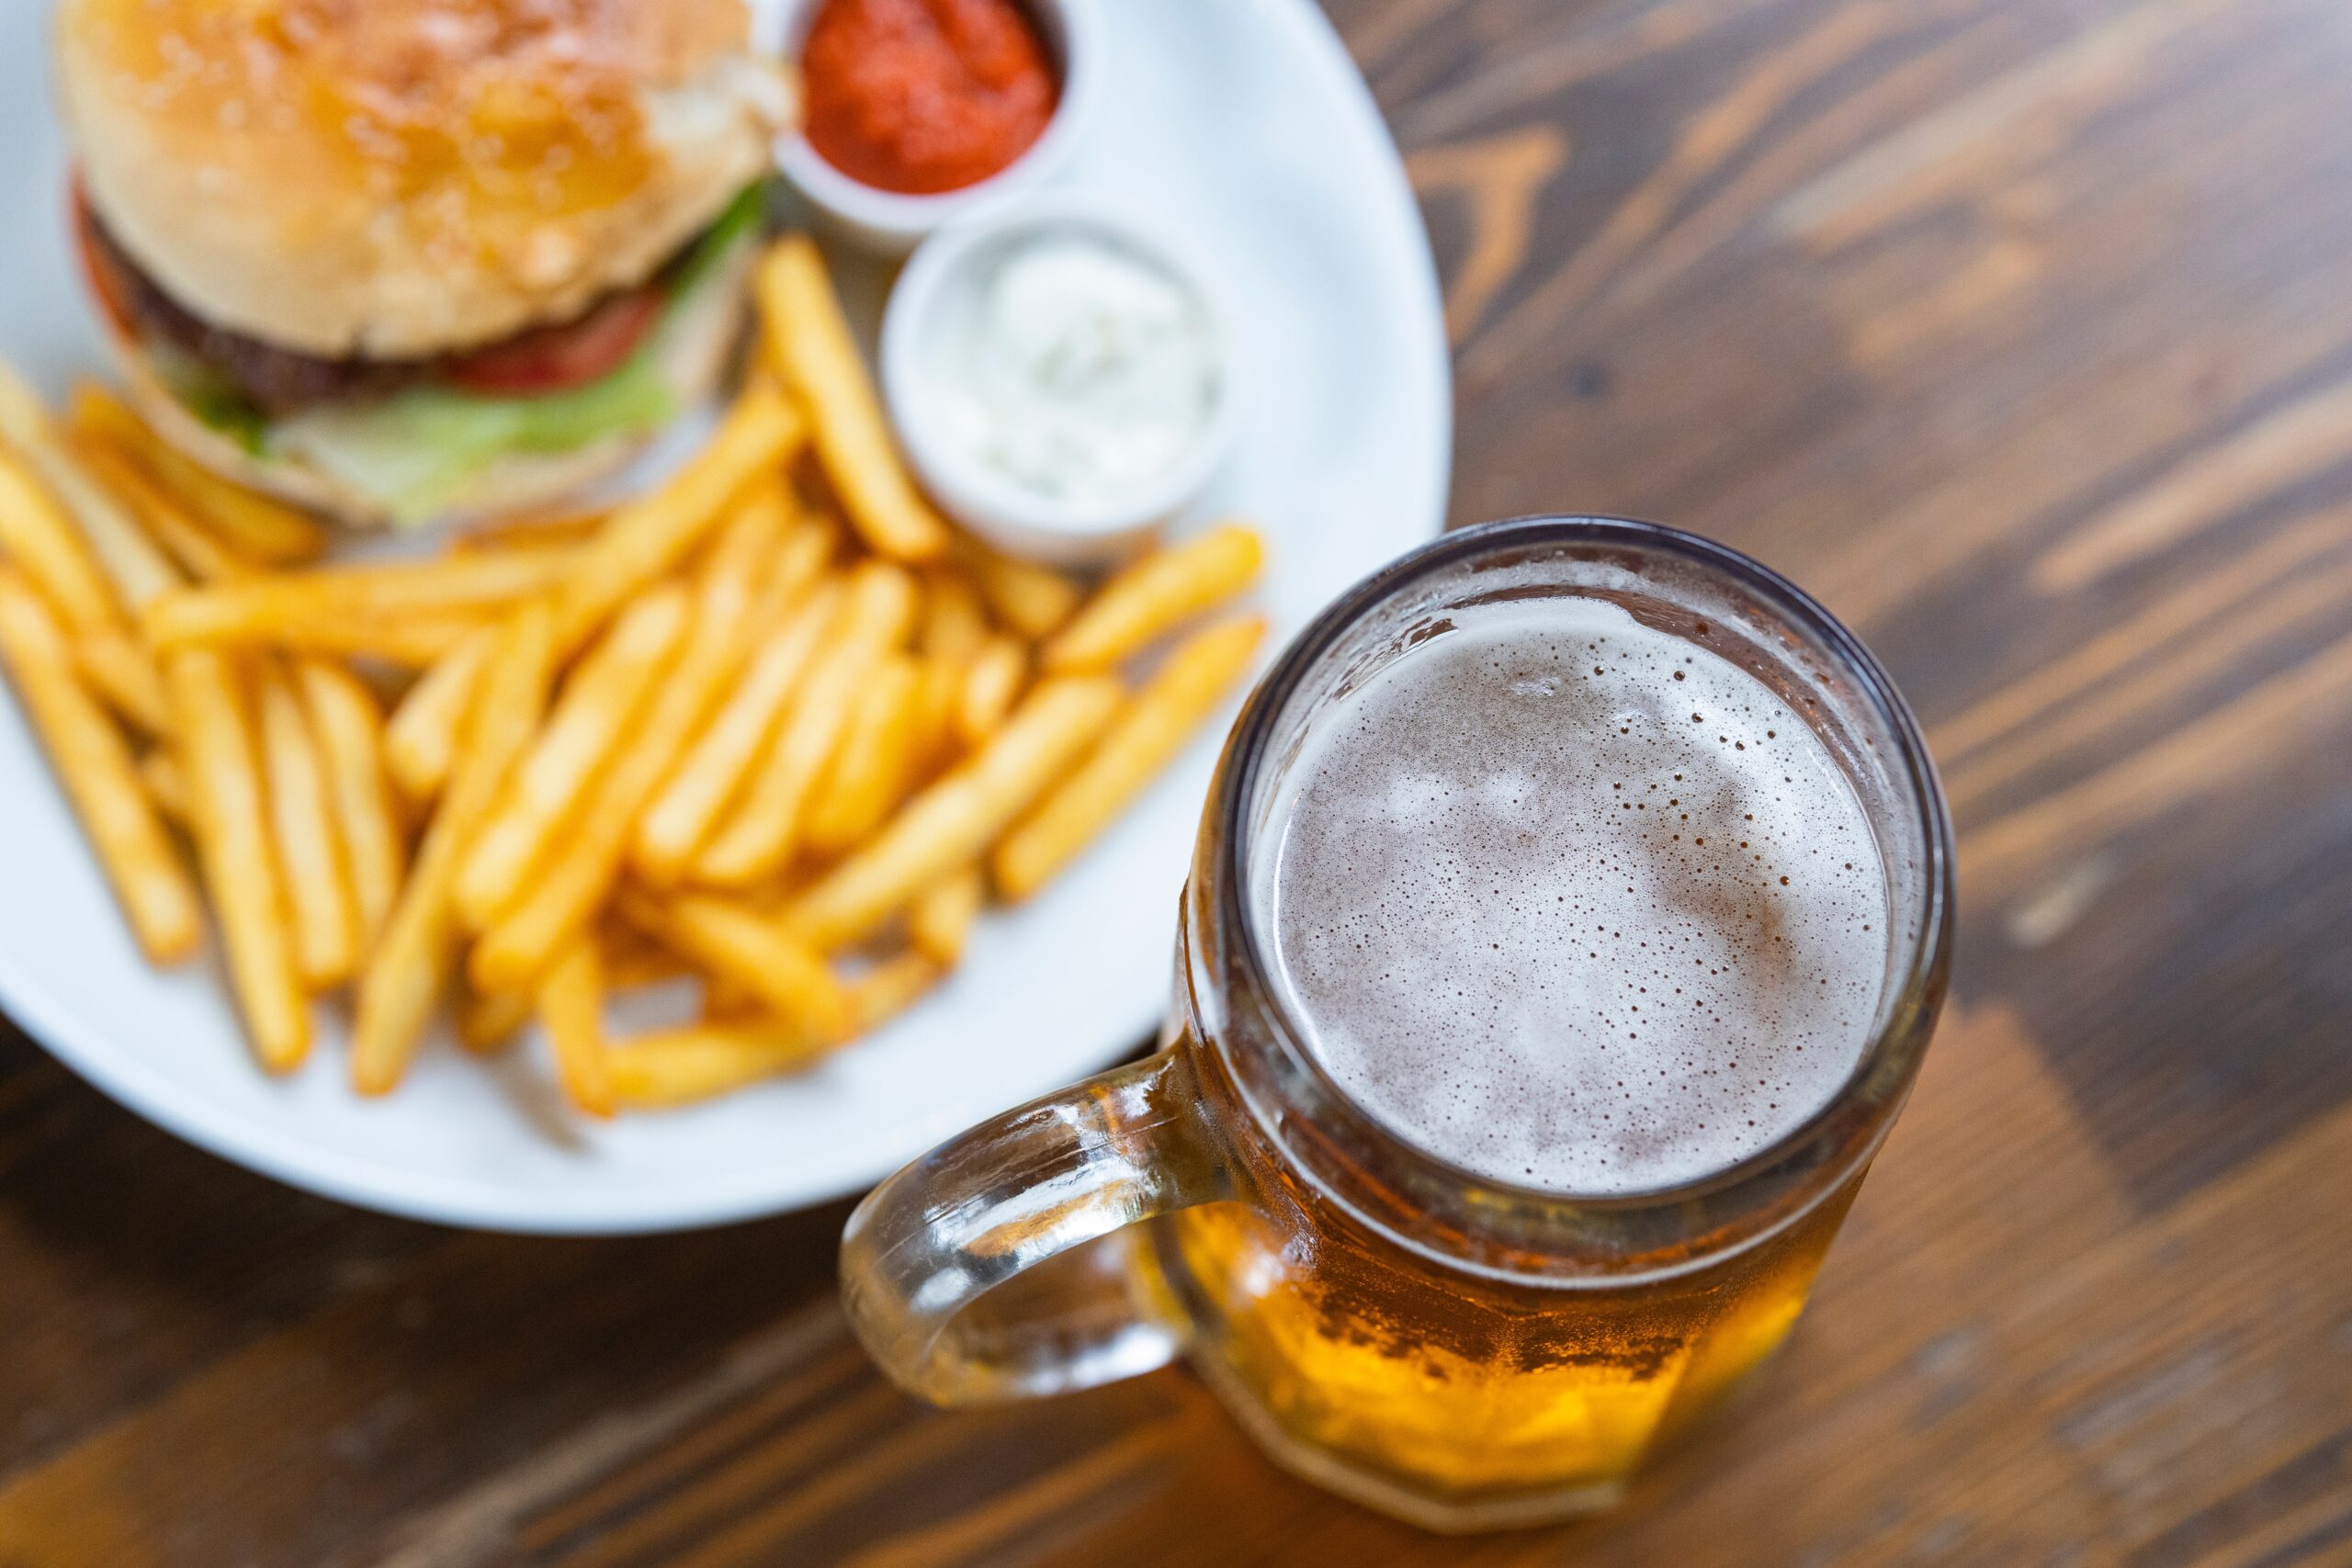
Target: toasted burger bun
[(696, 355), (398, 178)]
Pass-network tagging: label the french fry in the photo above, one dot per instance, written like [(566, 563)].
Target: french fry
[(875, 760), (267, 531), (1145, 737), (590, 721), (677, 1068), (488, 1021), (650, 535), (992, 684), (755, 524), (407, 642), (302, 605), (36, 533), (562, 899), (711, 774), (891, 986), (349, 727), (420, 742), (634, 961), (199, 553), (94, 765), (166, 787), (808, 345), (739, 946), (950, 824), (124, 674), (405, 976), (139, 570), (318, 898), (955, 622), (1033, 600), (571, 1005), (943, 916), (218, 749), (559, 530), (760, 836), (935, 708), (1154, 595)]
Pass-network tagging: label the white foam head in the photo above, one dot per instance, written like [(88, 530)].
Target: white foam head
[(1573, 903)]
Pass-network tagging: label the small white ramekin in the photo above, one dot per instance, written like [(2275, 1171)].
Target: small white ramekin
[(1007, 514), (891, 224)]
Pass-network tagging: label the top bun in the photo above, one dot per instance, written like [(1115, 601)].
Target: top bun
[(398, 178)]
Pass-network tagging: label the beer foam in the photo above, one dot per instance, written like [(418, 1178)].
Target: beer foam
[(1573, 903)]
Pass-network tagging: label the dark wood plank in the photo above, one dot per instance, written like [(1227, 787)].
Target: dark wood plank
[(2017, 329)]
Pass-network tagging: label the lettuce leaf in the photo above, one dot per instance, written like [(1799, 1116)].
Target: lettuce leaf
[(416, 451)]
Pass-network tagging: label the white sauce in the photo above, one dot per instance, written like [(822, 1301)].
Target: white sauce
[(1079, 371)]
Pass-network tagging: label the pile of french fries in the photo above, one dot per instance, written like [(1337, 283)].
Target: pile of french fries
[(773, 727)]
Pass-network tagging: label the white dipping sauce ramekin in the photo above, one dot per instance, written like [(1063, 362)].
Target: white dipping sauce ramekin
[(941, 279), (891, 224)]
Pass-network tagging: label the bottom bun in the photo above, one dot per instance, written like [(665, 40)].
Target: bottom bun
[(697, 354)]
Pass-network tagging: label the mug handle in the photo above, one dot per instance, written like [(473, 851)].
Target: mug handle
[(924, 1249)]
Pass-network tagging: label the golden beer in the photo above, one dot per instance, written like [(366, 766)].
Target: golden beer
[(1568, 919)]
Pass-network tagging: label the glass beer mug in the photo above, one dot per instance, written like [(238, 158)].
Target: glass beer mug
[(1453, 1349)]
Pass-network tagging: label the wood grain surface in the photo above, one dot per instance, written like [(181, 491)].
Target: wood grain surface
[(2021, 330)]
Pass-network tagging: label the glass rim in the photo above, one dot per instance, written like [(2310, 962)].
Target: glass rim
[(1895, 1039)]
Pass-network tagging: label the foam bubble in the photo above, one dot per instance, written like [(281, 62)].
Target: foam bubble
[(1576, 904)]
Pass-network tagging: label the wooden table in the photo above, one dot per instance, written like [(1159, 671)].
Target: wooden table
[(2020, 330)]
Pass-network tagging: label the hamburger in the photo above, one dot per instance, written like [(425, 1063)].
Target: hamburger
[(401, 260)]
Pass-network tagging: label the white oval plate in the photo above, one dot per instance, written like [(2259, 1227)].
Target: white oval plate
[(1243, 121)]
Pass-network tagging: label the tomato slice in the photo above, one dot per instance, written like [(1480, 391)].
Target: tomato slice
[(106, 279), (556, 358)]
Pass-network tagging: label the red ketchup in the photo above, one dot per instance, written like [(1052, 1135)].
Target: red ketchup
[(921, 96)]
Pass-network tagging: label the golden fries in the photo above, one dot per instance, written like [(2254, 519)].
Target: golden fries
[(875, 762), (647, 537), (420, 742), (876, 615), (955, 622), (319, 896), (560, 530), (1143, 740), (589, 722), (809, 346), (138, 569), (125, 675), (783, 744), (563, 897), (991, 685), (296, 606), (739, 946), (1033, 600), (571, 1005), (166, 786), (677, 1067), (198, 552), (950, 824), (349, 729), (37, 535), (488, 1021), (712, 773), (1155, 595), (943, 916), (891, 986), (218, 749), (263, 530), (404, 978), (158, 897)]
